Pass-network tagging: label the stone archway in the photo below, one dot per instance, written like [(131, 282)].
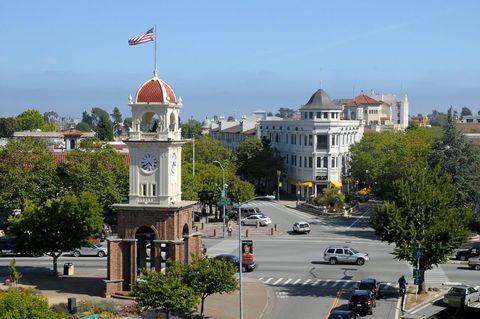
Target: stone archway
[(145, 248)]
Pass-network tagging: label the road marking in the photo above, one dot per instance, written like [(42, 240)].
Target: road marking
[(356, 220), (335, 301), (316, 282), (276, 282), (345, 284), (307, 281), (286, 282), (297, 281), (268, 280), (261, 278), (326, 282), (336, 283)]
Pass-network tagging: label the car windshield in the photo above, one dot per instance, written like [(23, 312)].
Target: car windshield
[(366, 285), (303, 225), (358, 298)]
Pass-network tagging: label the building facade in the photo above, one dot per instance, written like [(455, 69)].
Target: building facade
[(315, 147)]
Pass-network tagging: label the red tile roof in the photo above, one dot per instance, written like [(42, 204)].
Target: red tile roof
[(362, 100), (155, 91)]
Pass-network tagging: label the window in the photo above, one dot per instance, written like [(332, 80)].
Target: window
[(154, 190), (325, 162), (305, 161), (330, 250), (310, 115), (319, 162), (325, 115), (295, 160), (310, 140), (322, 142), (333, 140), (144, 189), (310, 162), (300, 161), (305, 140), (339, 251), (319, 115), (292, 162), (286, 159)]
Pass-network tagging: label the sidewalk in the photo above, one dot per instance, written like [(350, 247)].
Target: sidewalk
[(85, 286)]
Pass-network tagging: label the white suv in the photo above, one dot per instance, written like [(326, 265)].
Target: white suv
[(344, 254), (253, 219)]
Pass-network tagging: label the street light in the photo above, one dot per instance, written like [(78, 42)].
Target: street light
[(223, 193), (240, 265)]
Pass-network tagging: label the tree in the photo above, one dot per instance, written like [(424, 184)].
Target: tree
[(61, 224), (285, 113), (87, 118), (465, 111), (50, 117), (15, 275), (382, 157), (191, 129), (117, 120), (258, 163), (8, 125), (30, 120), (105, 129), (127, 123), (168, 291), (84, 127), (27, 172), (95, 168), (207, 150), (438, 118), (422, 213), (208, 276), (458, 157)]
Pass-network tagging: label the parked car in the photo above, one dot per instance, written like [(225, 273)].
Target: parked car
[(95, 250), (7, 248), (474, 262), (460, 296), (344, 254), (371, 285), (362, 301), (232, 214), (253, 219), (246, 266), (467, 252), (343, 314), (301, 227)]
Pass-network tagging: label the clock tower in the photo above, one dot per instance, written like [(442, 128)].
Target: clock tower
[(155, 222)]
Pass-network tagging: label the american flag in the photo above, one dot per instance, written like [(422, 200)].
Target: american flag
[(146, 37)]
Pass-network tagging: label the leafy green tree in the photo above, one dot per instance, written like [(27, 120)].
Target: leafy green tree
[(61, 225), (105, 129), (95, 168), (285, 113), (8, 125), (168, 291), (117, 121), (191, 129), (87, 118), (27, 172), (422, 213), (50, 116), (458, 157), (30, 120), (127, 123), (207, 150), (438, 118), (258, 163), (465, 111), (15, 304), (15, 275), (382, 157), (208, 276), (84, 127)]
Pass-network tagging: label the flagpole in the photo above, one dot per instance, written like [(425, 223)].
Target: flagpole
[(155, 73)]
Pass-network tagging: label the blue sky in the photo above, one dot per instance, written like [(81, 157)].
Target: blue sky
[(233, 57)]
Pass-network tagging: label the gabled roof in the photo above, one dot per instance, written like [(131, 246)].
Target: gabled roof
[(362, 100), (321, 100)]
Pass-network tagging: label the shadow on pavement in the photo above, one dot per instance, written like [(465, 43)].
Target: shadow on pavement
[(43, 279)]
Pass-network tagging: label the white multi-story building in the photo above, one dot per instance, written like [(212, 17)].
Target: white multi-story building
[(399, 108), (315, 147)]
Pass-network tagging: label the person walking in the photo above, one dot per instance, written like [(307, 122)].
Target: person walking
[(229, 230)]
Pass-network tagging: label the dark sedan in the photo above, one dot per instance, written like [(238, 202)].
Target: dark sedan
[(343, 314), (246, 266), (371, 285)]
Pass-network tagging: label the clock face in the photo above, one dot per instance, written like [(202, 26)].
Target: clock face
[(149, 163), (174, 162)]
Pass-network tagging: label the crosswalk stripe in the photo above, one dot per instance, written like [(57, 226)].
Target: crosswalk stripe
[(316, 282), (286, 282), (307, 281), (345, 284), (268, 280), (261, 278), (297, 281), (276, 282), (325, 282), (336, 283)]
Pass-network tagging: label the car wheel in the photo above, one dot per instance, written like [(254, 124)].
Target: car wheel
[(242, 223), (477, 267), (333, 261), (76, 253), (101, 253), (308, 232), (463, 258), (468, 303), (360, 261), (370, 312)]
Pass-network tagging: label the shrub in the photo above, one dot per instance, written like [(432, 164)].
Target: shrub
[(15, 304)]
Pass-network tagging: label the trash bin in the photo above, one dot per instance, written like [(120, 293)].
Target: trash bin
[(72, 305), (68, 269)]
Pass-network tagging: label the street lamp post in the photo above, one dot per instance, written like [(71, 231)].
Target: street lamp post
[(223, 193), (240, 265)]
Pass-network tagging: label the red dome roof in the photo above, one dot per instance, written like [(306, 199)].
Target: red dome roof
[(155, 91)]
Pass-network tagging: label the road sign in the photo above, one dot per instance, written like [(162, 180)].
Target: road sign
[(417, 273), (418, 252), (224, 201)]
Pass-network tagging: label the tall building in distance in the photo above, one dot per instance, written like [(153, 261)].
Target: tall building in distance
[(399, 108)]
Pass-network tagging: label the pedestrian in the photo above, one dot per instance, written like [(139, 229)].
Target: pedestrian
[(402, 282), (229, 230)]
